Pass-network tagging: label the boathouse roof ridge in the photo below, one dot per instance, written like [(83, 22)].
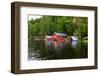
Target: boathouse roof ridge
[(60, 34)]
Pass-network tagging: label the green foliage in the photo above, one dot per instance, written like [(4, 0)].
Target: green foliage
[(47, 25)]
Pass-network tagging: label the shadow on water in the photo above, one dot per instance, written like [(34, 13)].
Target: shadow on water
[(52, 50)]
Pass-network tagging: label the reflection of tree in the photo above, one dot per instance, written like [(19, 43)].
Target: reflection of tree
[(42, 52)]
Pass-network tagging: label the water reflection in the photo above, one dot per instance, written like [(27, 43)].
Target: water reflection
[(51, 50), (74, 44)]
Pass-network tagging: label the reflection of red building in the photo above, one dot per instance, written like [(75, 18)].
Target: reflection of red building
[(58, 37)]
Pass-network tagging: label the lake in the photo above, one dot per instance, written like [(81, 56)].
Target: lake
[(53, 50)]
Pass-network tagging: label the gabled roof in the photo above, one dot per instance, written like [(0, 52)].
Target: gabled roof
[(74, 37), (60, 34)]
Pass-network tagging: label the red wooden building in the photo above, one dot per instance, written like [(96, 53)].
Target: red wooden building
[(58, 37)]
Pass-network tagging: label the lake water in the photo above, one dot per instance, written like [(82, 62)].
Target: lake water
[(52, 50)]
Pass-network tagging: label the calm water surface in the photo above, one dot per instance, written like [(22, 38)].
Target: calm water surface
[(52, 50)]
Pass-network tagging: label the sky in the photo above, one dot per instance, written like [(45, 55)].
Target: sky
[(33, 17)]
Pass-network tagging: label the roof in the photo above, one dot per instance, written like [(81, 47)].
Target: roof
[(60, 34), (74, 37)]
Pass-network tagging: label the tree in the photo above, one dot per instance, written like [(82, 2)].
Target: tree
[(47, 25)]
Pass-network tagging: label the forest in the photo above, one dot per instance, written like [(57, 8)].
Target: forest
[(47, 25)]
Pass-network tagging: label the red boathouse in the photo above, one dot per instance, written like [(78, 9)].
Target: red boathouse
[(58, 37)]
